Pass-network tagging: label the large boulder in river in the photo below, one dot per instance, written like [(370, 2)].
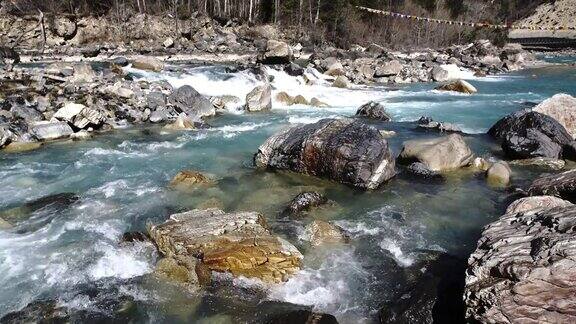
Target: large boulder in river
[(344, 150), (561, 185), (260, 98), (373, 110), (189, 101), (528, 134), (438, 154), (523, 269), (277, 52), (46, 131), (148, 63), (458, 86), (562, 108), (238, 243)]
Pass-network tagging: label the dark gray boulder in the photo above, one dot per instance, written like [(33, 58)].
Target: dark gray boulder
[(373, 110), (527, 134), (344, 150), (561, 185), (303, 202), (523, 269), (187, 100), (9, 56)]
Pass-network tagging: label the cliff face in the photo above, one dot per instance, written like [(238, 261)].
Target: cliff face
[(561, 13)]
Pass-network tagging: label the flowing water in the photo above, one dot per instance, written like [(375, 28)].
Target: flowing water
[(73, 255)]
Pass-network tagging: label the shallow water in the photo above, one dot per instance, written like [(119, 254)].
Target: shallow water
[(73, 254)]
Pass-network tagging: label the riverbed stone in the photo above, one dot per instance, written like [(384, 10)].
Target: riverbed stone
[(182, 122), (46, 131), (260, 98), (321, 233), (189, 101), (548, 163), (190, 179), (237, 243), (562, 108), (277, 52), (304, 202), (499, 174), (389, 69), (524, 268), (561, 185), (148, 63), (341, 82), (536, 202), (528, 134), (344, 150), (438, 154), (458, 86), (373, 110)]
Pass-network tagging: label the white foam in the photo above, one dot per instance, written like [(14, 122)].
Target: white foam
[(331, 288), (230, 131), (392, 247), (123, 263)]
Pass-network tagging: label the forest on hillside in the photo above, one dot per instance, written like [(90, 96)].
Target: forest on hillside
[(317, 21)]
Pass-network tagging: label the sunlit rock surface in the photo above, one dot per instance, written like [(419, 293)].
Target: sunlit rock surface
[(238, 243)]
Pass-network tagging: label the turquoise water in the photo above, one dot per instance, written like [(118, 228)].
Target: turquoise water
[(121, 179)]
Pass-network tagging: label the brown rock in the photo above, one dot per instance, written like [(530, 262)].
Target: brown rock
[(189, 179), (458, 86), (238, 243), (321, 232)]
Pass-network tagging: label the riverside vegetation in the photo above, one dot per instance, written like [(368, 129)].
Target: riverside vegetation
[(237, 175)]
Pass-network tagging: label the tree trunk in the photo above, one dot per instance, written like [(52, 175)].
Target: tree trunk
[(317, 13)]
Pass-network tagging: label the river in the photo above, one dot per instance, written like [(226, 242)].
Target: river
[(73, 254)]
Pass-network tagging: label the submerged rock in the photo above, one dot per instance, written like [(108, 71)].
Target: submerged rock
[(526, 134), (304, 202), (537, 202), (438, 154), (189, 179), (343, 150), (373, 110), (458, 86), (433, 296), (185, 270), (320, 233), (301, 317), (57, 202), (259, 99), (562, 108), (524, 268), (561, 185), (238, 243), (421, 170)]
